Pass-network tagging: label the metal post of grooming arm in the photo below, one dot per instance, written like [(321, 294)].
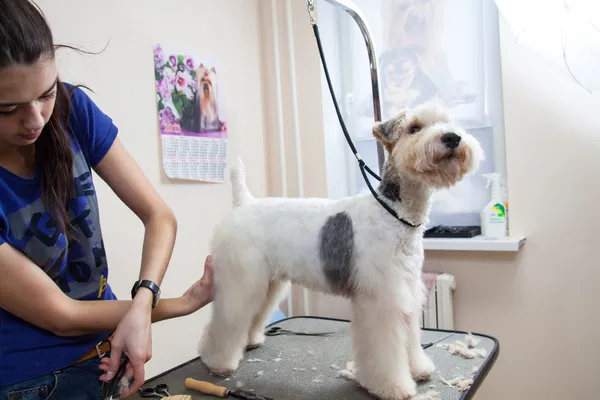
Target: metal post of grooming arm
[(359, 18)]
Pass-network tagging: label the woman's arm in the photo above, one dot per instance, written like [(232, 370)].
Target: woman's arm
[(124, 176), (28, 292), (133, 334)]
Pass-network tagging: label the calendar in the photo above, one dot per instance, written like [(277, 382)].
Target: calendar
[(191, 117)]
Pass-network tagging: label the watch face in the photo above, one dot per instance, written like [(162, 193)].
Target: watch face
[(154, 288)]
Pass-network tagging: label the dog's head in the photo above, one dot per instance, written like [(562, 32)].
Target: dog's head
[(206, 81), (411, 21), (426, 145)]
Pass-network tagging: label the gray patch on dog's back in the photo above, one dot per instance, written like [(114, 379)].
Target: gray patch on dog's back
[(336, 251)]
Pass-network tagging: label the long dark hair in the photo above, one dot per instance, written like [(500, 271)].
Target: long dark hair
[(25, 38)]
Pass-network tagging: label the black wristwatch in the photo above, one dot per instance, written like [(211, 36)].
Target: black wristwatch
[(153, 287)]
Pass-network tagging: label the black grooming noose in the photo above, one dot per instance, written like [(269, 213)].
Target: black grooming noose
[(361, 163)]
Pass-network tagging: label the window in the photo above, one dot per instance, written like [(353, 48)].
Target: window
[(426, 49)]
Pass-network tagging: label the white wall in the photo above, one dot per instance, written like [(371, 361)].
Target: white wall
[(123, 80)]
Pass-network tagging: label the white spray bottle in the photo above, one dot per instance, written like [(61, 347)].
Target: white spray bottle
[(493, 216)]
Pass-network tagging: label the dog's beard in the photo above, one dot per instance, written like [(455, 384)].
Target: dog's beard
[(428, 160), (206, 91)]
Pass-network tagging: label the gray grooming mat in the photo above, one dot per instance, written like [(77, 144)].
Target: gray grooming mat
[(305, 367)]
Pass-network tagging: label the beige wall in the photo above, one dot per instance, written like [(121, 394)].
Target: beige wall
[(123, 80), (540, 303)]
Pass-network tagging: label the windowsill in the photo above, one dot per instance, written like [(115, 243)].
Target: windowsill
[(477, 243)]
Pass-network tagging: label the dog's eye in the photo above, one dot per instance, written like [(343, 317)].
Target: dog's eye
[(414, 129)]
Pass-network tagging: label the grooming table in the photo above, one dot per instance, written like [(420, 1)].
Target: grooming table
[(306, 367)]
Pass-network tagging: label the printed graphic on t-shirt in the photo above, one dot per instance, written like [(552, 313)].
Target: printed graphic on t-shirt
[(79, 269)]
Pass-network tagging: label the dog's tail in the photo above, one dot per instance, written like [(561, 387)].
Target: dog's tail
[(241, 194)]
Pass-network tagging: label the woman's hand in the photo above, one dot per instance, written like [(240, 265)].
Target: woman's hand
[(200, 293), (133, 337)]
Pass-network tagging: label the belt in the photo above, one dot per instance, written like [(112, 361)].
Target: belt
[(98, 351)]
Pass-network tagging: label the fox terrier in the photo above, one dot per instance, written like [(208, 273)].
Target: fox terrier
[(351, 247)]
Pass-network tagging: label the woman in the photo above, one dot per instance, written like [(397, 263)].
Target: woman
[(55, 302)]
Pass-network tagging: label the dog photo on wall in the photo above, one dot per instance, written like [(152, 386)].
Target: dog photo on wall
[(194, 136), (187, 90), (207, 99)]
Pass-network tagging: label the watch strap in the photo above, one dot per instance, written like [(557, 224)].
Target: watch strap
[(148, 284)]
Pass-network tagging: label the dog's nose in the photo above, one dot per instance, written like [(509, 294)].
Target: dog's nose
[(451, 140)]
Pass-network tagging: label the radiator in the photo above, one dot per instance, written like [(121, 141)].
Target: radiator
[(438, 311)]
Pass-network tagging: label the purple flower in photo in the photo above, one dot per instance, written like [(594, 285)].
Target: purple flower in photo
[(183, 80), (168, 121), (173, 61), (163, 88), (169, 77), (189, 62), (158, 53), (168, 115), (159, 58)]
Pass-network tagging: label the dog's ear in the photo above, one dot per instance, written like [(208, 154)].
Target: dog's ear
[(388, 132), (383, 133)]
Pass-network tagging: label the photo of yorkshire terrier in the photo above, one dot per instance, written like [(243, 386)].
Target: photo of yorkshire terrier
[(413, 63), (415, 59), (207, 99)]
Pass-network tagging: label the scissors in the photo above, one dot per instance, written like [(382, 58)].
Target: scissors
[(161, 390), (276, 331), (428, 345), (110, 390)]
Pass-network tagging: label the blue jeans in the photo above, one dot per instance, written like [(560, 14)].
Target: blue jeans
[(78, 382)]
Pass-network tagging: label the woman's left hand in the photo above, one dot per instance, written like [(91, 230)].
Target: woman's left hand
[(200, 293)]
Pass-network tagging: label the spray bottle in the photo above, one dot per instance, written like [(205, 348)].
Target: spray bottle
[(493, 216)]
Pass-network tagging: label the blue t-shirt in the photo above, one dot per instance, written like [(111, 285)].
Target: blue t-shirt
[(79, 268)]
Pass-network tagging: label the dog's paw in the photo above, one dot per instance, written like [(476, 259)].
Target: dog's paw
[(219, 366), (252, 346), (404, 389), (421, 367), (256, 339), (224, 373)]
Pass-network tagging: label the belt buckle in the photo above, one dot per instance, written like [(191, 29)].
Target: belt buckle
[(99, 351)]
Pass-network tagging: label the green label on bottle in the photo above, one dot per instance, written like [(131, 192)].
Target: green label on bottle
[(500, 210)]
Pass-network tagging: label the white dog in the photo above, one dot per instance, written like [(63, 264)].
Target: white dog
[(351, 247)]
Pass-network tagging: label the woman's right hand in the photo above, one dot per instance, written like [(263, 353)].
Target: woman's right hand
[(200, 293)]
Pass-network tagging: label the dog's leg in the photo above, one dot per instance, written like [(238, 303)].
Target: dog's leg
[(380, 328), (277, 289), (421, 366), (236, 302)]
